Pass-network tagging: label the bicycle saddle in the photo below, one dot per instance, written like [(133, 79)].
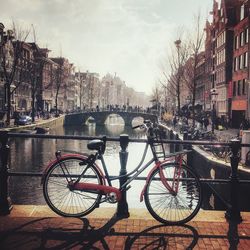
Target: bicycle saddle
[(95, 144)]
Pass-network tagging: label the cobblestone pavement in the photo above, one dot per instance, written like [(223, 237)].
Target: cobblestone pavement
[(209, 231)]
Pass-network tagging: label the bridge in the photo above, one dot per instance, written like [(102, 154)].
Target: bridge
[(101, 116)]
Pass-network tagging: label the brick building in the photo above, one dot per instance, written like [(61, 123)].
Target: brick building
[(239, 85), (222, 50), (226, 60)]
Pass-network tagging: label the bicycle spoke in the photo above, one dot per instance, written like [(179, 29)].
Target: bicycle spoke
[(168, 207), (68, 202)]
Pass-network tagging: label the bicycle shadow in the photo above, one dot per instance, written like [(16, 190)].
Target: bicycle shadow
[(115, 233), (51, 233), (164, 237)]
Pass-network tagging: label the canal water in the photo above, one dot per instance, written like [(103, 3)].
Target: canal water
[(33, 154)]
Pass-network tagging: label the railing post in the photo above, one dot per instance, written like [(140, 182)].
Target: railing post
[(171, 137), (122, 207), (189, 137), (233, 212), (177, 146), (185, 137), (5, 202)]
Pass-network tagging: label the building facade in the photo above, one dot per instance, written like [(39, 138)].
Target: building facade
[(239, 86)]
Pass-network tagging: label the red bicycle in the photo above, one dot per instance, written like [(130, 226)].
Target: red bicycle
[(74, 185)]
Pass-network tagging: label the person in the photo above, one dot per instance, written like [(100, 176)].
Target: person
[(174, 121), (185, 121), (200, 123), (244, 125), (226, 122), (205, 122), (16, 117)]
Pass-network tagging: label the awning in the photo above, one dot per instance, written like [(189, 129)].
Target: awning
[(239, 105)]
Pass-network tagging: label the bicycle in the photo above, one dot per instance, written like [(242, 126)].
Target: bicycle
[(223, 152), (74, 185)]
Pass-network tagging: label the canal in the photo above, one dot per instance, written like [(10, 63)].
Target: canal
[(33, 154)]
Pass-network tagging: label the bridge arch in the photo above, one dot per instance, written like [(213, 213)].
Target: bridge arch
[(101, 116), (114, 116)]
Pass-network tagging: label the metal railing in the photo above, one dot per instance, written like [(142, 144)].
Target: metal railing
[(232, 212)]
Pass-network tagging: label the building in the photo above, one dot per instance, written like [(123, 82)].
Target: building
[(2, 90), (239, 86), (63, 97), (222, 47), (200, 82), (209, 67)]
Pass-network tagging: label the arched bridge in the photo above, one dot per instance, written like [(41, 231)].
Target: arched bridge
[(101, 116)]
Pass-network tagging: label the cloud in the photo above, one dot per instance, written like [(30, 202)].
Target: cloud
[(124, 36)]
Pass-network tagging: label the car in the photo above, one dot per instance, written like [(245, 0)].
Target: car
[(24, 120)]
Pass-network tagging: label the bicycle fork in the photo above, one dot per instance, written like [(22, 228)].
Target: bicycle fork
[(173, 189)]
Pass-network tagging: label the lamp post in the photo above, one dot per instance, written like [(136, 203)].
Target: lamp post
[(178, 46), (188, 101), (214, 95)]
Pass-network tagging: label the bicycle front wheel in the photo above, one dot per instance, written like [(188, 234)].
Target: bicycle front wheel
[(58, 194), (169, 208)]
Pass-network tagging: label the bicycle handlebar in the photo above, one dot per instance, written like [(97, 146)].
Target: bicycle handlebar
[(146, 124), (138, 126)]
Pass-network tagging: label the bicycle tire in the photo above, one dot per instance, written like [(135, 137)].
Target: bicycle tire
[(59, 197), (173, 209)]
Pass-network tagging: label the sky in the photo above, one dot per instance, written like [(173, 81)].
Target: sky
[(129, 38)]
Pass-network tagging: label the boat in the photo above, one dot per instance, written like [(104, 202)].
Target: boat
[(27, 131), (91, 120), (42, 130)]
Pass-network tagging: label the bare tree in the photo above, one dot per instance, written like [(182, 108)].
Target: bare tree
[(59, 77), (58, 80), (11, 64), (190, 69), (157, 96), (82, 81), (35, 69), (172, 75)]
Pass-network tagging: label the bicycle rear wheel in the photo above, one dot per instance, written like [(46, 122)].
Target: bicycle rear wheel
[(58, 194), (169, 208)]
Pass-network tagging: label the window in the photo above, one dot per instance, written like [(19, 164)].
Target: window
[(245, 59), (243, 86), (234, 88), (246, 35), (242, 38), (235, 64), (242, 11), (241, 61), (239, 88), (236, 44)]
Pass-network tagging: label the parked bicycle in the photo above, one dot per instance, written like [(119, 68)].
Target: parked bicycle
[(74, 185), (223, 152)]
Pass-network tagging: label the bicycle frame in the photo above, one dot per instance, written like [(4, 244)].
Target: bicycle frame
[(108, 189)]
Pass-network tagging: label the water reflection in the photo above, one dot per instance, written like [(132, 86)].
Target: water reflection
[(32, 155)]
